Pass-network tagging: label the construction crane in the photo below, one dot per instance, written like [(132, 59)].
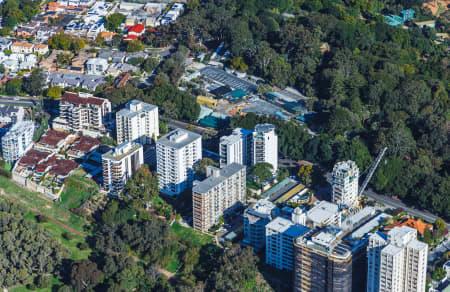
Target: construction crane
[(372, 171)]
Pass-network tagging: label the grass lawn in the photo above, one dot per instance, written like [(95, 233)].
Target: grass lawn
[(57, 232), (55, 283), (174, 263), (35, 201), (78, 189), (197, 238), (8, 166)]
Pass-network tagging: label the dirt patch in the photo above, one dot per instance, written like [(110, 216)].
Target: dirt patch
[(434, 8)]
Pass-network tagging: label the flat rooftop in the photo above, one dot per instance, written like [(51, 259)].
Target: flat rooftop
[(322, 211), (213, 180), (135, 107), (178, 138), (261, 209), (366, 228), (285, 226), (122, 150), (230, 80)]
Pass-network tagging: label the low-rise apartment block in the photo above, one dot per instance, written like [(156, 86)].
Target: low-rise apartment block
[(220, 193), (176, 154), (22, 48), (83, 113), (139, 122), (119, 164)]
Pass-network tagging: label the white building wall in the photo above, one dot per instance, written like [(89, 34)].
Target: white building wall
[(265, 145), (175, 166)]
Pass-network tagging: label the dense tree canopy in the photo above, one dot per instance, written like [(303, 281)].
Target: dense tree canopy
[(26, 250), (372, 85)]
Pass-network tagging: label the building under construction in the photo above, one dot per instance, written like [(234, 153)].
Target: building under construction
[(324, 262)]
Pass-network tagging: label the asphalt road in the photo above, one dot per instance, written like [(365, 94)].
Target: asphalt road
[(18, 101), (394, 203), (173, 124)]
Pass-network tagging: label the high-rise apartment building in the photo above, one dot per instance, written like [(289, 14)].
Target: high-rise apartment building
[(324, 262), (280, 235), (83, 113), (396, 262), (256, 218), (221, 192), (344, 183), (265, 145), (119, 164), (176, 154), (138, 122), (17, 141), (236, 148)]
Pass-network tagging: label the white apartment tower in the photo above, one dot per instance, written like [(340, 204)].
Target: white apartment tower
[(137, 122), (344, 183), (176, 154), (265, 145), (17, 141), (221, 192), (83, 113), (119, 164), (236, 148), (396, 262), (280, 235)]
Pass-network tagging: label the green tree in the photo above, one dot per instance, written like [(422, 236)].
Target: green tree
[(114, 20), (77, 45), (13, 86), (261, 172), (43, 282), (10, 21), (60, 41), (150, 64), (54, 92), (201, 166), (305, 173), (428, 237), (238, 64), (439, 274), (143, 186), (85, 275), (134, 46), (440, 225), (34, 84), (193, 4)]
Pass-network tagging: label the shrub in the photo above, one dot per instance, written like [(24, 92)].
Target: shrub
[(43, 282), (5, 173), (67, 235), (42, 218), (83, 245)]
